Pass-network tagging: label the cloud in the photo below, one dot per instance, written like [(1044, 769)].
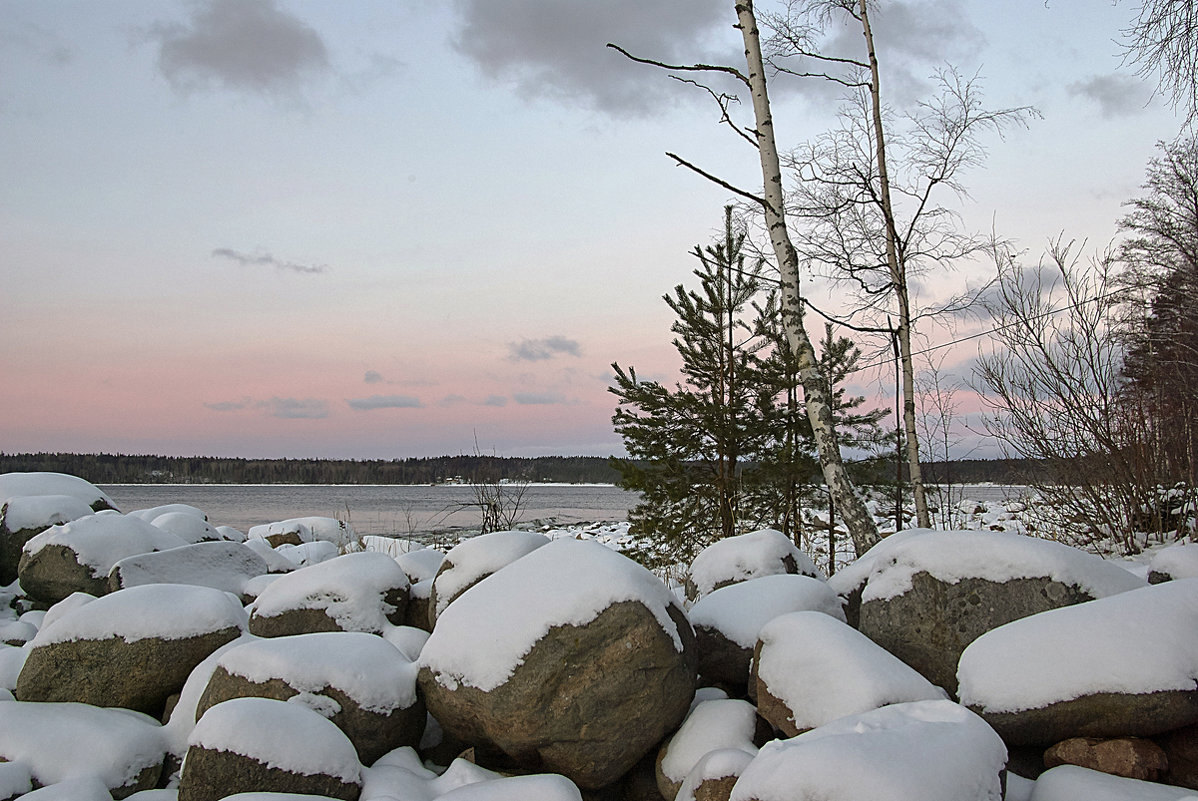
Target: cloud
[(250, 45), (296, 408), (495, 400), (229, 406), (1117, 95), (385, 402), (556, 48), (373, 377), (534, 350), (267, 260), (538, 398)]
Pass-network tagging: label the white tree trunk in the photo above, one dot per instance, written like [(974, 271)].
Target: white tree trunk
[(857, 518)]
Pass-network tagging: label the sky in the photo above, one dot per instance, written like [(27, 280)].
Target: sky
[(381, 229)]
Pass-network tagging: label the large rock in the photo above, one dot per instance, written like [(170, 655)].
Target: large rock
[(226, 566), (65, 742), (306, 529), (711, 726), (77, 556), (359, 681), (1174, 562), (1129, 757), (264, 745), (14, 484), (810, 669), (1073, 783), (26, 516), (130, 649), (928, 750), (364, 591), (572, 659), (472, 561), (728, 620), (714, 775), (1122, 666), (935, 593), (760, 553)]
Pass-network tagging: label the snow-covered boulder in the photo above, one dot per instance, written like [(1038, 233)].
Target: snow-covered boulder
[(714, 775), (572, 659), (60, 743), (25, 516), (728, 620), (541, 787), (360, 682), (264, 745), (1071, 783), (810, 669), (154, 512), (182, 719), (226, 566), (16, 780), (711, 726), (1126, 665), (936, 592), (1129, 757), (421, 566), (14, 484), (187, 526), (472, 561), (926, 750), (275, 561), (309, 553), (130, 649), (78, 556), (401, 774), (1174, 562), (305, 529), (760, 553), (364, 591)]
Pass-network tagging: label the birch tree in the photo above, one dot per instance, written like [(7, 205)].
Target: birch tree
[(771, 202)]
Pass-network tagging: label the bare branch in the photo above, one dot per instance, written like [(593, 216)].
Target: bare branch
[(735, 73), (720, 181)]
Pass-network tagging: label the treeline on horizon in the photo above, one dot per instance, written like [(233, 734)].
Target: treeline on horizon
[(104, 468)]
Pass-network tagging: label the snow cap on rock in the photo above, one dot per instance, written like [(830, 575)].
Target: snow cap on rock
[(748, 556)]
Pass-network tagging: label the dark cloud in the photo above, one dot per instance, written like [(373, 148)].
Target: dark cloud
[(229, 406), (267, 260), (535, 350), (373, 377), (250, 45), (385, 402), (538, 398), (495, 400), (296, 408), (1117, 95), (43, 43), (557, 48)]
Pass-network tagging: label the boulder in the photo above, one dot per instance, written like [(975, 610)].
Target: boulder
[(1181, 752), (760, 553), (472, 561), (226, 566), (714, 775), (1129, 757), (360, 682), (810, 669), (362, 591), (572, 659), (78, 556), (264, 745), (14, 484), (935, 593), (64, 742), (130, 649), (1174, 562), (710, 726), (24, 517), (306, 529), (926, 750), (728, 620), (1122, 666), (187, 526), (1073, 783), (275, 561)]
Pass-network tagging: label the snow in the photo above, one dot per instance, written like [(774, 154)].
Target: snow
[(1071, 783), (480, 556), (367, 668), (1093, 647), (15, 779), (349, 589), (14, 484), (308, 529), (84, 788), (854, 575), (392, 546), (759, 553), (408, 639), (421, 564), (275, 561), (927, 750), (186, 526), (61, 741), (308, 553), (540, 787), (718, 764), (41, 511), (12, 659), (65, 606), (154, 512), (738, 611), (823, 669), (222, 565), (1176, 561), (165, 611), (483, 635), (996, 556), (100, 540), (400, 776), (712, 725), (280, 735), (183, 717)]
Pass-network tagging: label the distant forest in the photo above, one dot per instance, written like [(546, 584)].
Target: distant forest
[(103, 468)]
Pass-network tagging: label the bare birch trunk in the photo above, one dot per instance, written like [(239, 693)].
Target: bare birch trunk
[(898, 277), (857, 518)]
